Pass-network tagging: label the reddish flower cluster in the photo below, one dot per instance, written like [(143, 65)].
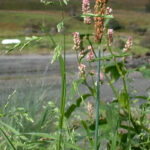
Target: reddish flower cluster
[(77, 41), (90, 54), (128, 45), (90, 109), (108, 11), (100, 7), (81, 68), (110, 36), (86, 9)]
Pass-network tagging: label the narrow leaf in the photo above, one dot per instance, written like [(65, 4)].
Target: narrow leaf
[(72, 108)]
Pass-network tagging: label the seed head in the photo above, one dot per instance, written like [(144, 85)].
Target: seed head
[(99, 9)]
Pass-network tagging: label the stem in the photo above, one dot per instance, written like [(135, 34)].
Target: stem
[(97, 102), (63, 96)]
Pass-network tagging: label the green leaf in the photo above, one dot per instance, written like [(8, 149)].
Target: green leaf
[(42, 135), (7, 139), (72, 108), (87, 132), (145, 70), (123, 100), (96, 15), (46, 2), (74, 88), (60, 26), (112, 69), (75, 147), (66, 1), (57, 53), (9, 128)]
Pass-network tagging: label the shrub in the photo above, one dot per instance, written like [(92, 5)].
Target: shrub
[(114, 24), (147, 7), (135, 28)]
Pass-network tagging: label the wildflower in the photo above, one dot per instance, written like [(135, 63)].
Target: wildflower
[(90, 109), (77, 41), (108, 11), (81, 54), (128, 45), (90, 54), (101, 77), (110, 36), (86, 9), (81, 68), (99, 9)]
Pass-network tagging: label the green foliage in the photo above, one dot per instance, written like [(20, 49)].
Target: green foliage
[(120, 123), (114, 72), (57, 53), (145, 70)]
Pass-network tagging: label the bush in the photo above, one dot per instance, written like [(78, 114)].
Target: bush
[(114, 24), (135, 28), (147, 7)]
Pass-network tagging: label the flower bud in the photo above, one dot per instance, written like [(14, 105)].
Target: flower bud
[(110, 36), (128, 45)]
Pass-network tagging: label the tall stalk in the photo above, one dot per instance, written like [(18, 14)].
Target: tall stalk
[(63, 95), (97, 101)]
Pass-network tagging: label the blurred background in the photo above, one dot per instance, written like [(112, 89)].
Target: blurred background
[(24, 18)]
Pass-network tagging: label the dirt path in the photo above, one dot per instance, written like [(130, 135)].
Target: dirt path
[(27, 74)]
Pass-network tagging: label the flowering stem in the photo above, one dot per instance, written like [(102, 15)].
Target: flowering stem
[(97, 102)]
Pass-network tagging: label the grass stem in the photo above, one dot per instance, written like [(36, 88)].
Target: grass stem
[(97, 102)]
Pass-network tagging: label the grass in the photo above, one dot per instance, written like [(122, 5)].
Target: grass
[(13, 25), (33, 121)]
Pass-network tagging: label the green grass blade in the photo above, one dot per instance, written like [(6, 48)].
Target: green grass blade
[(63, 99), (97, 102), (42, 135), (73, 107), (7, 139), (70, 145)]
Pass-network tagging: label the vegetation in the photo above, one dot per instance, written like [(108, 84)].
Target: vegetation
[(21, 23), (87, 122)]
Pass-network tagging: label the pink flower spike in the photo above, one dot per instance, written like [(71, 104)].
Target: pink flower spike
[(90, 47), (90, 56), (85, 1), (86, 9), (81, 68), (101, 77), (110, 36), (77, 41), (128, 45), (108, 11)]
